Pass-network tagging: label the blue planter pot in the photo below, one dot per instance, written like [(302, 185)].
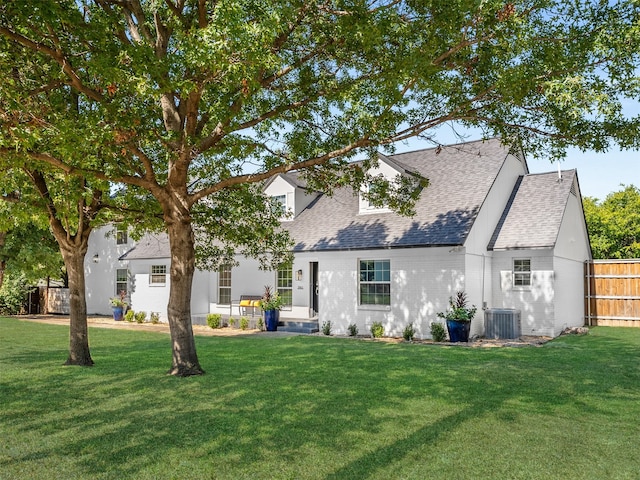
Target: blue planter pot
[(271, 319), (458, 331), (117, 313)]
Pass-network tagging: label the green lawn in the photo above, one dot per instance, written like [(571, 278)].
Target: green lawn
[(312, 407)]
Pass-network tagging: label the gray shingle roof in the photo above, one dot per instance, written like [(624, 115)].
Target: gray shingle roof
[(534, 212), (460, 177), (151, 245)]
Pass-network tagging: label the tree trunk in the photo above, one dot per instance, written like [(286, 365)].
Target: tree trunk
[(78, 331), (181, 240)]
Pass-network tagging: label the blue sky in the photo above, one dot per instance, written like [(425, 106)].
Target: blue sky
[(598, 173)]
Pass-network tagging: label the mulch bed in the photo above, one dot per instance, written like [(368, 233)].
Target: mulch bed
[(476, 342)]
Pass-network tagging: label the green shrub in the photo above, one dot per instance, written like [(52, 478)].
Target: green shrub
[(129, 316), (326, 328), (244, 323), (13, 295), (260, 324), (140, 316), (353, 330), (232, 322), (408, 333), (214, 320), (438, 333), (377, 330), (155, 318)]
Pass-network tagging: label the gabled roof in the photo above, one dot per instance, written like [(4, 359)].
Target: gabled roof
[(292, 178), (150, 246), (397, 165), (534, 212), (460, 177)]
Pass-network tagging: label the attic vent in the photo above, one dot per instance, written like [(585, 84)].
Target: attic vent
[(502, 323), (517, 152), (574, 190)]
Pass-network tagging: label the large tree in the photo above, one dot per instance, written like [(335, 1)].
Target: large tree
[(614, 224), (70, 207), (27, 247), (194, 100)]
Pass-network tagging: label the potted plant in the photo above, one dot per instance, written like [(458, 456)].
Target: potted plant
[(458, 317), (118, 306), (271, 304)]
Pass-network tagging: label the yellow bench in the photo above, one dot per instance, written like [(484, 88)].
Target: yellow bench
[(245, 303)]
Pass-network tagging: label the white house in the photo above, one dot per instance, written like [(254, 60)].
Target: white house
[(510, 239)]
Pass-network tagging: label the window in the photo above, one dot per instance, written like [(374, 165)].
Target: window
[(374, 189), (366, 203), (158, 275), (375, 282), (279, 204), (522, 272), (284, 284), (121, 237), (224, 285), (122, 281)]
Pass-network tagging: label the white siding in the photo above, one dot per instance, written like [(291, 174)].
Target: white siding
[(569, 287), (572, 250), (478, 261), (200, 292), (536, 303), (100, 276), (573, 240), (147, 297), (422, 280), (478, 287)]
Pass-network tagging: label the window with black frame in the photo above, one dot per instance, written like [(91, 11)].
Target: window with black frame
[(375, 282)]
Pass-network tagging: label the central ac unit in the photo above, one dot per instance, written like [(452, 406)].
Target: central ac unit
[(502, 323)]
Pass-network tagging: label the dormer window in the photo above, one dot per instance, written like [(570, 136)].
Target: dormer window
[(280, 204), (372, 189), (121, 237), (287, 196), (366, 206)]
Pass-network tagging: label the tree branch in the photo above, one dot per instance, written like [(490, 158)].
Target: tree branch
[(120, 32), (258, 177), (59, 58), (71, 170), (38, 181)]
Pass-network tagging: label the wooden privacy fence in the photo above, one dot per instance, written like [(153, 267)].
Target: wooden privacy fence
[(612, 293)]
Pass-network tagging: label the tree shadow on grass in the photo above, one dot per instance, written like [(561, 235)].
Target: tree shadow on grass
[(264, 404)]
